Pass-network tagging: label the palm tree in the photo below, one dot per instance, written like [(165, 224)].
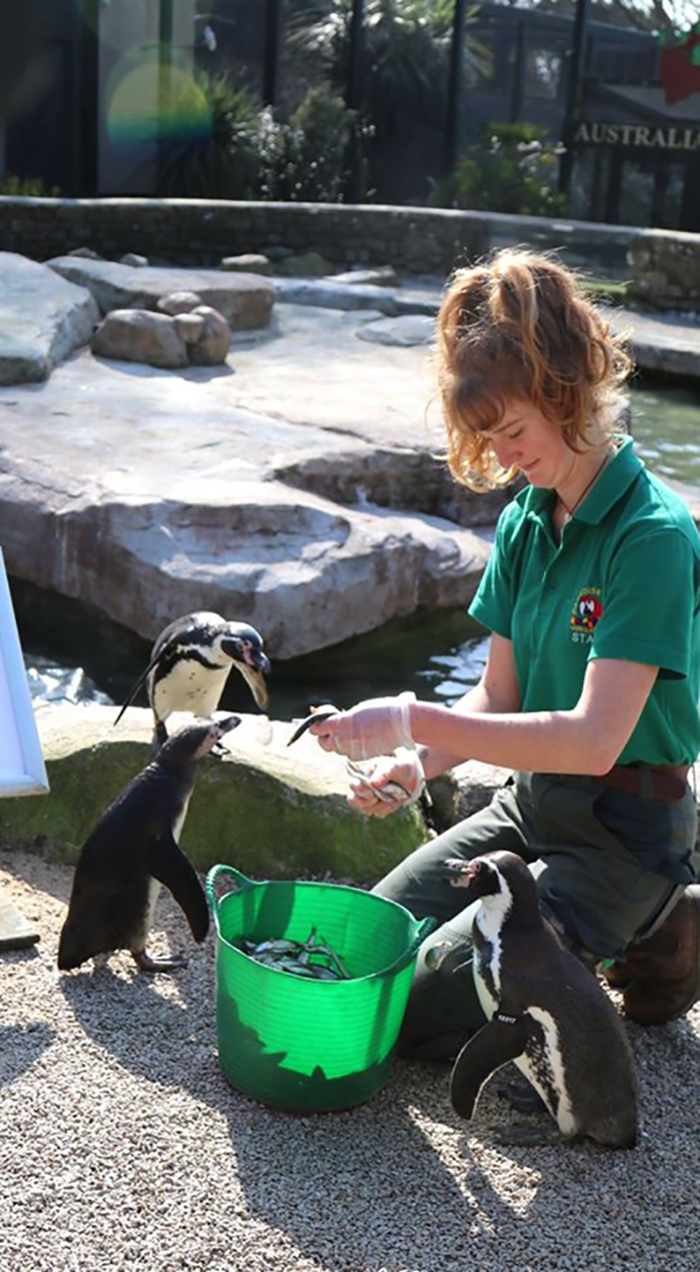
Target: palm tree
[(403, 74)]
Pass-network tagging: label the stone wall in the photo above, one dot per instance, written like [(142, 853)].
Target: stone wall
[(200, 232), (664, 265), (665, 268)]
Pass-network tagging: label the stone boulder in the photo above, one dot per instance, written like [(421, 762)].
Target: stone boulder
[(178, 303), (304, 571), (380, 276), (326, 293), (660, 342), (87, 253), (245, 300), (43, 318), (268, 809), (313, 502), (666, 269), (212, 345), (304, 265), (409, 329), (137, 335), (191, 327), (201, 337), (248, 263)]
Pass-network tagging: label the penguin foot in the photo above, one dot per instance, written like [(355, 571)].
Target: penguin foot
[(146, 963), (522, 1096), (530, 1135)]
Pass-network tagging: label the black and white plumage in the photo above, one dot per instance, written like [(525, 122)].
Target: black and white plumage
[(545, 1011), (190, 664), (132, 850)]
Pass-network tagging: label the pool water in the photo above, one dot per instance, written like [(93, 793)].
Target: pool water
[(666, 430)]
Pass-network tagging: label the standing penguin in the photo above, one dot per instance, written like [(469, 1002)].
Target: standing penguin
[(545, 1011), (132, 850), (190, 664)]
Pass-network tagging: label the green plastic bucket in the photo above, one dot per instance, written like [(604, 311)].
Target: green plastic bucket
[(310, 1046)]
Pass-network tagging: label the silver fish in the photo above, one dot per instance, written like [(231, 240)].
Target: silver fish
[(313, 958)]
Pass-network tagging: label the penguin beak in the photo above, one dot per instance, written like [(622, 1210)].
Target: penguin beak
[(228, 723), (471, 875), (256, 683), (253, 665)]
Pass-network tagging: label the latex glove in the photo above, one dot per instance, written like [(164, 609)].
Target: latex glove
[(375, 727), (400, 777)]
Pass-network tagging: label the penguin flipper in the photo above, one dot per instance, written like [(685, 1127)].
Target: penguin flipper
[(169, 865), (138, 685), (504, 1038)]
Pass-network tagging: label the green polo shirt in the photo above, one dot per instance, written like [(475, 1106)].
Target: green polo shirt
[(623, 583)]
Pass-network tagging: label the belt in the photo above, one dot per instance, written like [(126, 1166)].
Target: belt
[(649, 781)]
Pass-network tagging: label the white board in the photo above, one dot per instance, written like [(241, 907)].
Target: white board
[(22, 770)]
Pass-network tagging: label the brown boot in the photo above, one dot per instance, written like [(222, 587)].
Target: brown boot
[(664, 969), (616, 974)]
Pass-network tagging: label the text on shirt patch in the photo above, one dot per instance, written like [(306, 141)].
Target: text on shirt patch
[(586, 614)]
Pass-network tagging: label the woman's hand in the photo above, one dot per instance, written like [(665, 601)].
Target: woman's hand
[(375, 727), (388, 783)]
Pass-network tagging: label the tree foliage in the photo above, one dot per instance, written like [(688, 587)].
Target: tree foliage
[(641, 15), (514, 170), (247, 152)]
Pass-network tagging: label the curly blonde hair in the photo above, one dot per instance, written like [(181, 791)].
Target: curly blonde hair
[(518, 326)]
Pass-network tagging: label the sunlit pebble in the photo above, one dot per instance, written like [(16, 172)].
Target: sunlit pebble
[(118, 1146)]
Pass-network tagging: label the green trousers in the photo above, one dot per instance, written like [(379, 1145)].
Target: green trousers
[(609, 866)]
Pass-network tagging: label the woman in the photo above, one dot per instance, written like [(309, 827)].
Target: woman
[(592, 596)]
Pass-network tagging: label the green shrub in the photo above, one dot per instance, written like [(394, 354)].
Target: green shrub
[(303, 160), (243, 151), (222, 162), (513, 170), (27, 187)]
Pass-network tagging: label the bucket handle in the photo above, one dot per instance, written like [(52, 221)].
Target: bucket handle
[(424, 929), (240, 879)]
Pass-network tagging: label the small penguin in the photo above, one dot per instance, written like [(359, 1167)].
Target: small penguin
[(190, 664), (132, 850), (545, 1011)]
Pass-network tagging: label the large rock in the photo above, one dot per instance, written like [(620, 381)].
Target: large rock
[(659, 342), (326, 293), (409, 329), (137, 335), (247, 263), (245, 300), (666, 269), (304, 571), (43, 318), (200, 336), (267, 809), (303, 493), (211, 348), (381, 276)]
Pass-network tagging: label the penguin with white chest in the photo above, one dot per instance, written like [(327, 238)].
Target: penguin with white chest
[(190, 663), (132, 850), (545, 1011)]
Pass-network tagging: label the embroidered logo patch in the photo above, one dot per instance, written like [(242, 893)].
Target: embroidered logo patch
[(586, 614)]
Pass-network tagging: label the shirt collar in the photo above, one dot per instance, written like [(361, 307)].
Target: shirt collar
[(624, 468)]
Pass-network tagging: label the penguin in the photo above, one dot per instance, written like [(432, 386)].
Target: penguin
[(545, 1011), (190, 664), (132, 850)]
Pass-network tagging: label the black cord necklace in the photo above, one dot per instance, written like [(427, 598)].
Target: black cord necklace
[(569, 512)]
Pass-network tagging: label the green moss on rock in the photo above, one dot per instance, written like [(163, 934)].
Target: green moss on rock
[(268, 810)]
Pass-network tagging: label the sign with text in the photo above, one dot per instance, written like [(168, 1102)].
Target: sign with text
[(642, 136), (22, 770)]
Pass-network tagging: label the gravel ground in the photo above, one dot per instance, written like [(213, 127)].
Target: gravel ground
[(123, 1149)]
